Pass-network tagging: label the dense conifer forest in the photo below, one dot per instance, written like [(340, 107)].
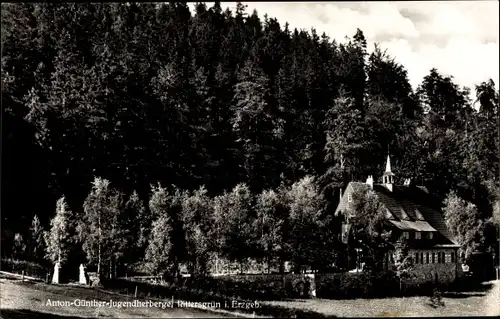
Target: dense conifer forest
[(215, 131)]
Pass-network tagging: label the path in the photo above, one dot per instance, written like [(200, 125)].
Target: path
[(492, 301)]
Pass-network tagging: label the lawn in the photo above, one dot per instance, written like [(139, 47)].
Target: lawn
[(480, 303), (29, 299)]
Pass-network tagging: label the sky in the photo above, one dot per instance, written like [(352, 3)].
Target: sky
[(458, 38)]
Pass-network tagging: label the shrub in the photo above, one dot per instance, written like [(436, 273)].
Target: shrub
[(363, 285), (30, 268), (436, 300)]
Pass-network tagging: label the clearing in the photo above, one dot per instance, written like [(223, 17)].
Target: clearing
[(480, 303), (29, 299)]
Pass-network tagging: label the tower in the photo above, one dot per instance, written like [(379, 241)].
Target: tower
[(388, 177)]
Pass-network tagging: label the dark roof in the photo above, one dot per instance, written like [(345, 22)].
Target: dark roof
[(412, 207)]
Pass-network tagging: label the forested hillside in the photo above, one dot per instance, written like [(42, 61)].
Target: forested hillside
[(141, 94)]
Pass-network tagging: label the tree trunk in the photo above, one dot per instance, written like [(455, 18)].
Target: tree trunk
[(216, 264), (99, 262), (99, 249)]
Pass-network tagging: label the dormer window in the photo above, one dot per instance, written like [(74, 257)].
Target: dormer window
[(418, 215), (404, 215), (388, 214), (418, 235), (349, 198)]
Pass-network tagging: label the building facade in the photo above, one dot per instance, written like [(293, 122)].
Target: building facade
[(411, 213)]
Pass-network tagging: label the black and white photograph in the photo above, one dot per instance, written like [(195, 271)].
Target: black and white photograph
[(250, 159)]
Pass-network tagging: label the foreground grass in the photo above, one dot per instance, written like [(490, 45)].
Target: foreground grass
[(29, 299), (480, 303)]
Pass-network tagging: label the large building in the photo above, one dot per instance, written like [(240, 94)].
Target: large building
[(412, 213)]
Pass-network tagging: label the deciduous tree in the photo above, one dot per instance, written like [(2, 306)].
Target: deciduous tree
[(57, 238)]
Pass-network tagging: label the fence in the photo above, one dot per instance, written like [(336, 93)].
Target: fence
[(29, 268)]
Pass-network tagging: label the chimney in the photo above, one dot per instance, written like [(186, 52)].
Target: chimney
[(369, 181)]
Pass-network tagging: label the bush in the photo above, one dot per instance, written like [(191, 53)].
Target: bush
[(436, 300), (362, 285), (30, 268)]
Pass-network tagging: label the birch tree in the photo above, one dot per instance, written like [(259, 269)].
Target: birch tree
[(101, 231), (58, 238)]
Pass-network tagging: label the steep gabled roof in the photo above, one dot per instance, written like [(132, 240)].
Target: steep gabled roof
[(410, 208)]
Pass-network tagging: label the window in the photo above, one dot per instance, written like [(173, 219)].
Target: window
[(418, 235), (406, 234), (416, 258), (422, 258), (430, 235), (349, 197), (441, 257), (433, 258), (427, 257)]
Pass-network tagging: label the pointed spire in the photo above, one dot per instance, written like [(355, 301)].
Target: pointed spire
[(388, 164), (388, 177)]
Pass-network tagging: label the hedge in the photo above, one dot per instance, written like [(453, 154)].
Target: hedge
[(381, 285), (30, 268), (254, 287), (211, 290), (366, 285)]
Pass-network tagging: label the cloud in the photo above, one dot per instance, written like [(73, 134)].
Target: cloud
[(459, 38)]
